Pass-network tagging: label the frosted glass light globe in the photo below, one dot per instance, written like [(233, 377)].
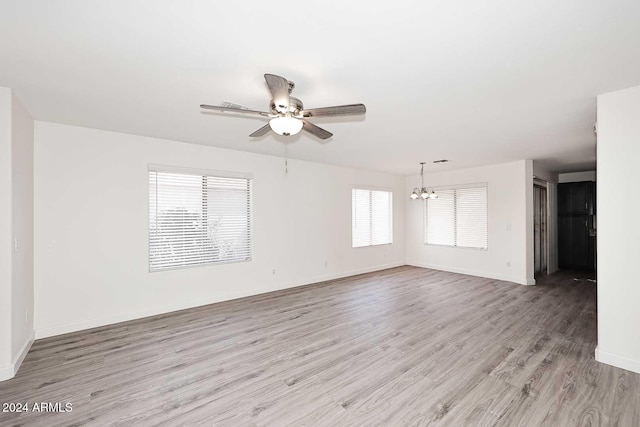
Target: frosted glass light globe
[(286, 125)]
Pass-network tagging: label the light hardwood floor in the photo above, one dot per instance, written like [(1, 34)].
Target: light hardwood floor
[(405, 346)]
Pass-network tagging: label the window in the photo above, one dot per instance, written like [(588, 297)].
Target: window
[(458, 217), (198, 218), (372, 217)]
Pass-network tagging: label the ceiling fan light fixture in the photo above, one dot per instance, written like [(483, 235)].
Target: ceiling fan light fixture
[(286, 125)]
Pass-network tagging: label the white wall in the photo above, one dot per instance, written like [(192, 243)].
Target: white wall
[(618, 238), (5, 232), (577, 176), (91, 222), (508, 228), (22, 223), (16, 222)]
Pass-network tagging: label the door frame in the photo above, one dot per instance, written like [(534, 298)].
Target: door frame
[(537, 182)]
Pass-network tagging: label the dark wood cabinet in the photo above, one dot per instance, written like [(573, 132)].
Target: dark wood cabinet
[(576, 225), (576, 198), (573, 242)]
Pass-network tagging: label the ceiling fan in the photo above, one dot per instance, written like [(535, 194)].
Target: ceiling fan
[(288, 116)]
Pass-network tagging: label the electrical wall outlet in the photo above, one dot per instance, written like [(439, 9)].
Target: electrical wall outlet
[(16, 245)]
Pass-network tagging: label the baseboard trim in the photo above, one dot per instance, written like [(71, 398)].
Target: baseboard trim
[(472, 273), (617, 361), (8, 372), (23, 352), (124, 317)]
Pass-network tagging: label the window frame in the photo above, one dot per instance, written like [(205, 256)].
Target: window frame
[(370, 188), (484, 185), (202, 173)]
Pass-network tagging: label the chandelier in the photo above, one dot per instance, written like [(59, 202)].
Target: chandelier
[(423, 192)]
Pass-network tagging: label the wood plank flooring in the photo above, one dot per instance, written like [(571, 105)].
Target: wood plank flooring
[(405, 346)]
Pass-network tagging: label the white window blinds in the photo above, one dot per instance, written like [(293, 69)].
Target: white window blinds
[(458, 217), (372, 217), (198, 219), (441, 223)]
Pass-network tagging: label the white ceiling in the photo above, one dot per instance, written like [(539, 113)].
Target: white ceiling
[(473, 82)]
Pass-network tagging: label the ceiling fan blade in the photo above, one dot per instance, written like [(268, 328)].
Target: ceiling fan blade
[(279, 87), (262, 131), (232, 109), (229, 104), (339, 110), (315, 130)]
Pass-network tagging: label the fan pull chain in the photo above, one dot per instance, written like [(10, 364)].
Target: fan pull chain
[(286, 158)]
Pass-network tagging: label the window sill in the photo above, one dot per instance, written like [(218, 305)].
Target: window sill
[(457, 247)]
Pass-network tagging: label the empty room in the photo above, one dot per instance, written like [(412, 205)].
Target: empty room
[(319, 214)]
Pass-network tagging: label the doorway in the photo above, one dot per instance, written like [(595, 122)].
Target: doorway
[(540, 225)]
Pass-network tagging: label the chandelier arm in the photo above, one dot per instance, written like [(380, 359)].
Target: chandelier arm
[(424, 191)]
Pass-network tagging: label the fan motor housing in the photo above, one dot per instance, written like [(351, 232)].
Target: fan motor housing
[(295, 106)]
